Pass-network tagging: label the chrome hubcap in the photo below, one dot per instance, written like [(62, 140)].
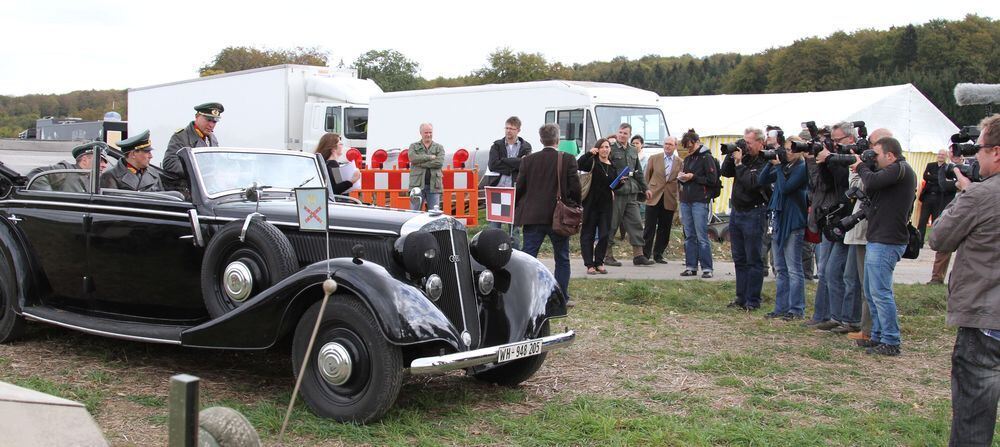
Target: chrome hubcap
[(238, 281), (334, 363)]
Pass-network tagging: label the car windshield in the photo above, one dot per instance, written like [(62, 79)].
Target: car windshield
[(227, 172), (646, 121)]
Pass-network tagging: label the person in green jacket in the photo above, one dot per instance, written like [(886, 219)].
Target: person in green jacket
[(426, 161)]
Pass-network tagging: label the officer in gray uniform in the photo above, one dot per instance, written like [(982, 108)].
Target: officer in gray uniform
[(132, 171), (68, 181), (198, 133), (629, 197)]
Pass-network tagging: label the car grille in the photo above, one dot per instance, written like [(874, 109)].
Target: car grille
[(309, 247), (459, 297)]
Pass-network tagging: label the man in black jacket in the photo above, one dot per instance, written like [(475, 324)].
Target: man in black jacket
[(891, 189), (505, 160), (931, 196), (747, 221), (948, 190), (540, 176)]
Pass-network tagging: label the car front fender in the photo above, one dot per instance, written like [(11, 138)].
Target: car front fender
[(403, 312), (525, 295)]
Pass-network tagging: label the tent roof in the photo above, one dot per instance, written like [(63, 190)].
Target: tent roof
[(912, 118)]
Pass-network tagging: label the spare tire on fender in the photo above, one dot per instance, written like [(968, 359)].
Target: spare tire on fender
[(234, 271)]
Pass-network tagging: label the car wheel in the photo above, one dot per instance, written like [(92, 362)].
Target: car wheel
[(517, 371), (353, 373), (11, 324), (233, 272)]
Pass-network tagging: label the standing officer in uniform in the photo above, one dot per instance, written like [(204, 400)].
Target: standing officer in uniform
[(626, 205), (132, 171), (199, 133)]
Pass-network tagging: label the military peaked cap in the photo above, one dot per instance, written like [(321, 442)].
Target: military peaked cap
[(86, 148), (211, 110), (140, 141)]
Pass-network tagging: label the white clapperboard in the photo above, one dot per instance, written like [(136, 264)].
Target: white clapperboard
[(500, 204), (311, 204)]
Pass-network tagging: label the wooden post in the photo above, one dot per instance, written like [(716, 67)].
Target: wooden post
[(183, 406)]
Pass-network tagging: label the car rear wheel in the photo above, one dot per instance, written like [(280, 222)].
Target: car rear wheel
[(517, 371), (235, 271), (11, 324), (353, 373)]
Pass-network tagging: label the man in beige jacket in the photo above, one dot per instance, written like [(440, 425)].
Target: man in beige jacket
[(661, 178)]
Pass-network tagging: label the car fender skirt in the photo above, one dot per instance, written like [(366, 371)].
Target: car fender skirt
[(404, 314)]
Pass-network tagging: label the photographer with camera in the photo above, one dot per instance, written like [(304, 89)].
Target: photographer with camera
[(786, 227), (749, 199), (949, 187), (969, 227), (892, 189), (830, 205)]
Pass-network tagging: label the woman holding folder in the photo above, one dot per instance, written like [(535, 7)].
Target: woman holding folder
[(331, 148), (597, 205)]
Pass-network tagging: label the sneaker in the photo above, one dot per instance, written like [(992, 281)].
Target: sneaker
[(887, 350), (869, 343), (659, 260), (706, 274), (773, 315), (642, 260), (812, 323), (846, 329), (689, 273), (610, 260), (790, 317), (827, 325)]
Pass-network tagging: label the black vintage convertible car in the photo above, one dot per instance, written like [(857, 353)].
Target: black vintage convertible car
[(225, 266)]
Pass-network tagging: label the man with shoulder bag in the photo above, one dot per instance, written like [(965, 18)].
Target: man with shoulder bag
[(552, 179)]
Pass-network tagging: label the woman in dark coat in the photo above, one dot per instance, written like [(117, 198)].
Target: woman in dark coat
[(597, 205), (332, 148)]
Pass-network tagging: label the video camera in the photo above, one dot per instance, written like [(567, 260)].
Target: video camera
[(961, 147), (728, 148)]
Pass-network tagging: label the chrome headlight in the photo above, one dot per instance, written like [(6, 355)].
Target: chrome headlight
[(486, 282), (434, 286)]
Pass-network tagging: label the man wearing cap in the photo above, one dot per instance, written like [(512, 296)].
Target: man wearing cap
[(84, 156), (199, 133), (132, 171)]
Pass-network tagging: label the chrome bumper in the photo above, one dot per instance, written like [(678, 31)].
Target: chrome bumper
[(458, 360)]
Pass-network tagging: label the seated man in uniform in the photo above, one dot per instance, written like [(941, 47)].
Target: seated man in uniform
[(68, 182), (132, 171)]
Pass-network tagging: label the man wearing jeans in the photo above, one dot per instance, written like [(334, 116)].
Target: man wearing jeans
[(787, 224), (969, 226), (505, 160), (538, 174), (891, 189), (699, 175), (747, 221)]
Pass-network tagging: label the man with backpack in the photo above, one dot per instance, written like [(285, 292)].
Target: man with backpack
[(699, 185)]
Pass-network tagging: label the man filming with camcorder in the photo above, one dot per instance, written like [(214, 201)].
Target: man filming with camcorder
[(891, 187), (970, 226)]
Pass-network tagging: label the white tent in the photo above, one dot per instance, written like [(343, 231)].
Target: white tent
[(912, 118)]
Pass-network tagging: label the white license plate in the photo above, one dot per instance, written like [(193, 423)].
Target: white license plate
[(519, 350)]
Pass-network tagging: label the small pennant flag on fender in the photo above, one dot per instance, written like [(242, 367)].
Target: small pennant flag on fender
[(311, 206), (500, 204)]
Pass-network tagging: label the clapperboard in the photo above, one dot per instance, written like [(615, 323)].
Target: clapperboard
[(500, 204)]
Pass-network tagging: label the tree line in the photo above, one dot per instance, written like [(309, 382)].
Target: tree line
[(933, 56)]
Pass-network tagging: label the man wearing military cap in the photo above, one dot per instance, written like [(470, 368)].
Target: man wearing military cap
[(132, 171), (68, 182), (199, 133)]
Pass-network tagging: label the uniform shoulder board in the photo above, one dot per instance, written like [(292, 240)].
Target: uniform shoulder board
[(179, 130)]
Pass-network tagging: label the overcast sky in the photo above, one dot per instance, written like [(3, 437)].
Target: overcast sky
[(57, 46)]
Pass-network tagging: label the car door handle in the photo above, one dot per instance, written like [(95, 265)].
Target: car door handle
[(14, 218), (190, 236)]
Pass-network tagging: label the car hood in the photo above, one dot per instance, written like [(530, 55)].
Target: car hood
[(356, 218)]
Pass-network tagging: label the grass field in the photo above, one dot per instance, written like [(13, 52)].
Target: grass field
[(656, 363)]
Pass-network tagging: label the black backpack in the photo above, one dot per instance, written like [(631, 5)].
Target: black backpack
[(715, 190)]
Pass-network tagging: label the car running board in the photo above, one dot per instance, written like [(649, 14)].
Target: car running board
[(124, 330)]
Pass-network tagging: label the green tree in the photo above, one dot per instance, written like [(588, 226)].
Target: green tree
[(232, 59), (505, 66), (390, 69)]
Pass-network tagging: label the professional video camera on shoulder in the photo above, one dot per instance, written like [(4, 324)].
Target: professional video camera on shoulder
[(961, 147)]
